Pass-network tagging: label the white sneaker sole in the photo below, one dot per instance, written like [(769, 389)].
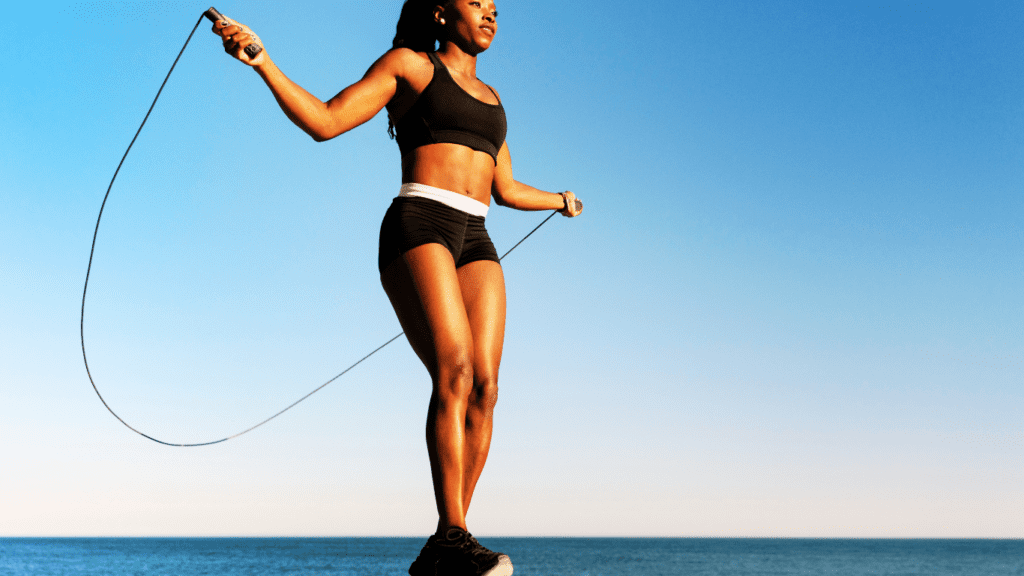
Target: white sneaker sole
[(504, 567)]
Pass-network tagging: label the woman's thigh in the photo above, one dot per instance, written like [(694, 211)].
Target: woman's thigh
[(482, 286), (425, 291)]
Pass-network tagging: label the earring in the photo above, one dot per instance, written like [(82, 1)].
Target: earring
[(442, 21)]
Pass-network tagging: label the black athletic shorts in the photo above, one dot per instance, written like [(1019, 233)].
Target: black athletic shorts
[(412, 222)]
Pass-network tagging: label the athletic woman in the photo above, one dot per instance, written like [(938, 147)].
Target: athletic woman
[(437, 264)]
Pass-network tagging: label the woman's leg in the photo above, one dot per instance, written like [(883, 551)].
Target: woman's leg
[(425, 292), (483, 291)]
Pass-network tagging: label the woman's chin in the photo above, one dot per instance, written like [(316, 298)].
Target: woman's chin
[(483, 41)]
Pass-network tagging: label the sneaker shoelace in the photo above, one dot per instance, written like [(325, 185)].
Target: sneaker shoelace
[(479, 551), (472, 549)]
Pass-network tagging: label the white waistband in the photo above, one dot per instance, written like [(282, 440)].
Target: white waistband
[(455, 200)]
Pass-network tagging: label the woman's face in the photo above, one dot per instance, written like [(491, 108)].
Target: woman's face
[(472, 23)]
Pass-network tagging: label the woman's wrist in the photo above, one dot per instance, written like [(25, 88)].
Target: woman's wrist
[(266, 66)]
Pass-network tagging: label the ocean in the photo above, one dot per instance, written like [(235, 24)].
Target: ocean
[(531, 556)]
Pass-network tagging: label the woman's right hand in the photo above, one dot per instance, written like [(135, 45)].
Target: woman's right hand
[(236, 37), (573, 205)]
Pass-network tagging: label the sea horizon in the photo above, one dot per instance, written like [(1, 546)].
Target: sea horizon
[(515, 536), (531, 556)]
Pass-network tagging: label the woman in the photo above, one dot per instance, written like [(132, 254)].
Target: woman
[(437, 264)]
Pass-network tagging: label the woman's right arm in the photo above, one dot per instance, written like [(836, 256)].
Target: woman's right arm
[(321, 120)]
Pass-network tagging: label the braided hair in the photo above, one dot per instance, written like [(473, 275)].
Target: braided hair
[(418, 31)]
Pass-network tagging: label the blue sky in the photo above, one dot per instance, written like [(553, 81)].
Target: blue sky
[(791, 308)]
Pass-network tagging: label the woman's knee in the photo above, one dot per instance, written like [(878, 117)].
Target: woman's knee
[(485, 390), (454, 379)]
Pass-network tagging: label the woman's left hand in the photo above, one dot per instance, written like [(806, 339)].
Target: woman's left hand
[(236, 37), (573, 206)]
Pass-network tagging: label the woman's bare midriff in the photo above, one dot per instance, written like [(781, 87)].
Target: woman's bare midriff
[(451, 167)]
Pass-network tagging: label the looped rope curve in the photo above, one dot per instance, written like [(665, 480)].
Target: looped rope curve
[(85, 290)]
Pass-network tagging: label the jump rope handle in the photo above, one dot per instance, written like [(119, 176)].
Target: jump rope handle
[(576, 201), (251, 50)]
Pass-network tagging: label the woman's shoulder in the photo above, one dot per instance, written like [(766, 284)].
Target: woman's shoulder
[(404, 63), (403, 58), (413, 67)]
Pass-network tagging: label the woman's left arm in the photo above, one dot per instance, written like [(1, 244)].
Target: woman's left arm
[(508, 192)]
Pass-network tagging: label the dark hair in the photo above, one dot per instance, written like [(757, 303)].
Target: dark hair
[(417, 30)]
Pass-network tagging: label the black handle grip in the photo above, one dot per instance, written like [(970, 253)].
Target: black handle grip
[(251, 50), (213, 15)]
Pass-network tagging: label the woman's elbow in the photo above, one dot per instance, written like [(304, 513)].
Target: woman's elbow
[(324, 132), (321, 133), (505, 200)]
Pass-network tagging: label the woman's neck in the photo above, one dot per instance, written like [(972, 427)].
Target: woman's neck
[(457, 59)]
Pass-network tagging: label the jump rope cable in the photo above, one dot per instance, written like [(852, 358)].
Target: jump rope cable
[(92, 251)]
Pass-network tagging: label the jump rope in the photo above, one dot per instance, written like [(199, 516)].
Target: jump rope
[(252, 50)]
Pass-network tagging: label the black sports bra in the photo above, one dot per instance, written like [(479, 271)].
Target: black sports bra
[(445, 113)]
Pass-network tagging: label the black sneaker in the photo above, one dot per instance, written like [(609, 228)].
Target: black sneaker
[(426, 563), (502, 558), (459, 554)]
